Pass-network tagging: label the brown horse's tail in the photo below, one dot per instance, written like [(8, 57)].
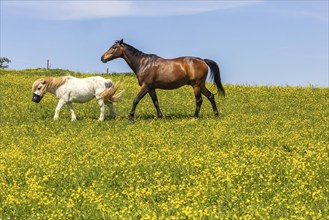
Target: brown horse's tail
[(215, 75), (112, 94)]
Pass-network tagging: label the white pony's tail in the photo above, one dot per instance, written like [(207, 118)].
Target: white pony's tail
[(113, 94)]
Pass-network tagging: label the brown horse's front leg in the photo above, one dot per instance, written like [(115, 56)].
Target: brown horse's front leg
[(155, 102), (139, 96)]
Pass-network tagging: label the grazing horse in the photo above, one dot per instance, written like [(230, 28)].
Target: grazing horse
[(155, 72), (70, 89)]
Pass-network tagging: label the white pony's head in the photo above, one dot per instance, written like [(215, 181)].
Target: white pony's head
[(39, 89), (42, 85)]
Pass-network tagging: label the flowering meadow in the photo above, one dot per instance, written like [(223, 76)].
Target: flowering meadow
[(265, 157)]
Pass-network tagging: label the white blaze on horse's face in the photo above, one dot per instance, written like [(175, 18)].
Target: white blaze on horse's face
[(39, 90)]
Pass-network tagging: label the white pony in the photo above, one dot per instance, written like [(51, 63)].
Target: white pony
[(70, 89)]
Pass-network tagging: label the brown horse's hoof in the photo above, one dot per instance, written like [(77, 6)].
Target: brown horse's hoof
[(130, 120)]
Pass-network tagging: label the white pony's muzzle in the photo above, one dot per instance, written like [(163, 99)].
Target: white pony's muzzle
[(36, 98)]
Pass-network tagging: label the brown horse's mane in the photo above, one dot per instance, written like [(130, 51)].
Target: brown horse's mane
[(138, 53), (135, 57)]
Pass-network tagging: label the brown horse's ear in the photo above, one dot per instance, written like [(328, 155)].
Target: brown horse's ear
[(43, 81), (121, 41)]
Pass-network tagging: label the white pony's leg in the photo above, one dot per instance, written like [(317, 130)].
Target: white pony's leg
[(111, 107), (101, 105), (61, 102), (73, 116)]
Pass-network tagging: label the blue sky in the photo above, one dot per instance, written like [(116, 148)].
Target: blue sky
[(254, 42)]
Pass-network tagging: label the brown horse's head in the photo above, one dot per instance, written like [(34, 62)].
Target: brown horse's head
[(114, 52), (39, 89)]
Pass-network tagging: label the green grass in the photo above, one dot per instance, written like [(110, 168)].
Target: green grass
[(266, 156)]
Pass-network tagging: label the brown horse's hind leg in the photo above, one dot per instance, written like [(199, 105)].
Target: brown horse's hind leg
[(211, 98), (155, 102), (198, 100)]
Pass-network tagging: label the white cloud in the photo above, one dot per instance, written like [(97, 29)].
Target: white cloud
[(75, 10)]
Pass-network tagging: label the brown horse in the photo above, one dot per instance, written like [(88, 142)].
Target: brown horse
[(155, 72)]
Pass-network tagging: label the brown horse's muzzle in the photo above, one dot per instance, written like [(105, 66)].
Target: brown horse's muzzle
[(106, 58), (36, 98), (103, 59)]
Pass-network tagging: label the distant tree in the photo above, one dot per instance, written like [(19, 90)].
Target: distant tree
[(4, 60)]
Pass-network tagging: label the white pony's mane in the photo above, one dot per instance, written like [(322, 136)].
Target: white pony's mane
[(54, 83), (50, 82)]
